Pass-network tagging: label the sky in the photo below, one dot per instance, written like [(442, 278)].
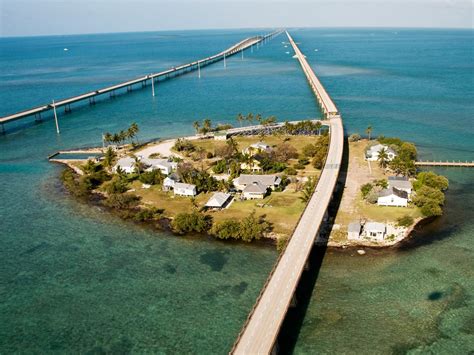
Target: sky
[(60, 17)]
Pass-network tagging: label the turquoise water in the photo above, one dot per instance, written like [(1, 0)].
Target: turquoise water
[(75, 279)]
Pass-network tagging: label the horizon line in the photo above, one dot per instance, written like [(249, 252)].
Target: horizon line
[(241, 28)]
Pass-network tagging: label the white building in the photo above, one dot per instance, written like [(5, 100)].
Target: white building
[(183, 189), (170, 181), (374, 231), (354, 231), (127, 165), (254, 166), (372, 153), (393, 197), (269, 181), (253, 191), (163, 165), (219, 200), (256, 148), (400, 183)]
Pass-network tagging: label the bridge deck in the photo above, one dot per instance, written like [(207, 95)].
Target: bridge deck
[(242, 45), (262, 327)]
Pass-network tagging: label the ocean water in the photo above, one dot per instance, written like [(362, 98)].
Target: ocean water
[(75, 279)]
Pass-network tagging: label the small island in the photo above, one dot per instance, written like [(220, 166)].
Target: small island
[(244, 183), (253, 182), (385, 196)]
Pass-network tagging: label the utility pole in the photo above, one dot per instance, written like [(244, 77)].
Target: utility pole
[(56, 117)]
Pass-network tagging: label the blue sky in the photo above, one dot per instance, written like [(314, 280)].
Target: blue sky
[(45, 17)]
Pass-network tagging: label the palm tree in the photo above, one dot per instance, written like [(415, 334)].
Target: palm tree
[(249, 117), (383, 158), (240, 119), (247, 159), (318, 126), (133, 131), (368, 131), (206, 125), (258, 118), (196, 126), (138, 165), (107, 138), (109, 157)]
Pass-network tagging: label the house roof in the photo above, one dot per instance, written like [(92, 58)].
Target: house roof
[(173, 176), (157, 162), (399, 184), (125, 162), (393, 191), (218, 199), (378, 147), (260, 145), (375, 227), (397, 178), (182, 185), (255, 188), (267, 180), (353, 227)]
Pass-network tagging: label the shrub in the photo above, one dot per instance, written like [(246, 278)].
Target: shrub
[(429, 178), (154, 177), (405, 221), (191, 222), (147, 214), (365, 189), (299, 166), (290, 171), (281, 243), (183, 145), (220, 166), (372, 197), (355, 137), (116, 186), (303, 161), (310, 150), (382, 183), (75, 186), (226, 229), (283, 152), (209, 155), (122, 201)]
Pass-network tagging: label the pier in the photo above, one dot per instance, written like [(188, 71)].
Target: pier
[(141, 81), (260, 331), (465, 164)]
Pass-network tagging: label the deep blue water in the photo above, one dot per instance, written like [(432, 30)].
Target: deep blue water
[(74, 279)]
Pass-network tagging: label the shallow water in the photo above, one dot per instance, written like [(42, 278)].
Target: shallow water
[(75, 279)]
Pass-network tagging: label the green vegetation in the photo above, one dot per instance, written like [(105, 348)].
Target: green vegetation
[(429, 196), (322, 146), (191, 222), (366, 189), (119, 138), (355, 137), (405, 221), (154, 177), (248, 229), (308, 189), (184, 145)]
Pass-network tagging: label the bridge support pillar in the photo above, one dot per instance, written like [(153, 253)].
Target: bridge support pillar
[(2, 128), (38, 117), (307, 265), (92, 100), (275, 348), (67, 108), (112, 93)]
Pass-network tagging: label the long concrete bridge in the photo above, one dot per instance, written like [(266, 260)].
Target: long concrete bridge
[(174, 71), (260, 331)]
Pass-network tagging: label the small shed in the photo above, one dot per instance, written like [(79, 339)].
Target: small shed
[(219, 201), (183, 189), (353, 231), (375, 231)]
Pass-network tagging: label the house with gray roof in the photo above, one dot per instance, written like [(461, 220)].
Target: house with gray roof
[(219, 200), (354, 231), (182, 189), (126, 164), (269, 181), (393, 197), (401, 183), (163, 165), (375, 231), (255, 190)]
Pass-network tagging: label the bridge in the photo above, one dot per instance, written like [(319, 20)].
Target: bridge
[(260, 331), (174, 71)]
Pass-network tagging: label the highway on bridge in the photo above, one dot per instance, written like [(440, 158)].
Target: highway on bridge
[(259, 334)]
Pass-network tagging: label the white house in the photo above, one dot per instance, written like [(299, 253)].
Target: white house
[(170, 181), (256, 148), (221, 136), (269, 181), (219, 200), (375, 231), (126, 164), (393, 197), (354, 231), (255, 190), (163, 165), (372, 153), (400, 183), (254, 166), (183, 189)]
